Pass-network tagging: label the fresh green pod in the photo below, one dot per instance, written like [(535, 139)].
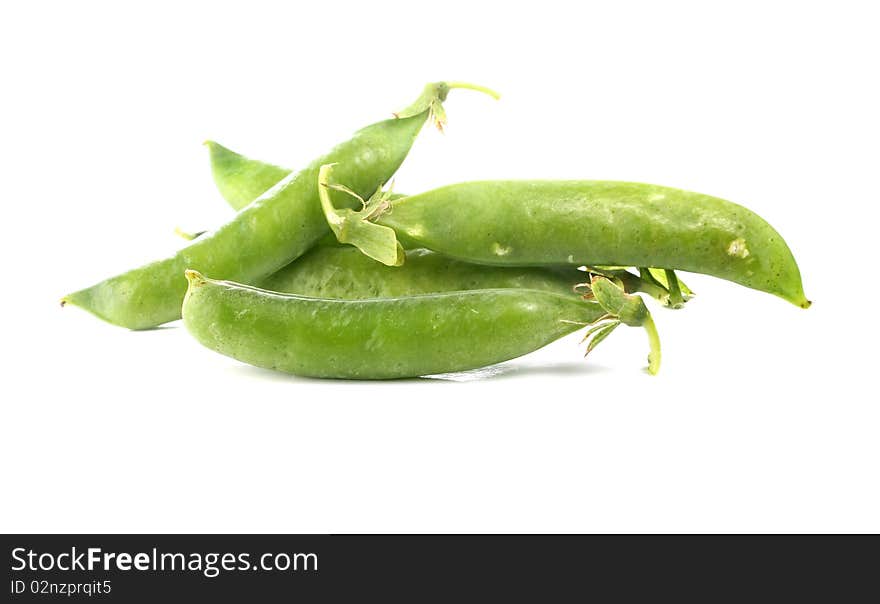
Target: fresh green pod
[(279, 226), (593, 223), (378, 338), (334, 271), (240, 179)]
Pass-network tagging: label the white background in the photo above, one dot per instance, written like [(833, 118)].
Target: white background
[(763, 418)]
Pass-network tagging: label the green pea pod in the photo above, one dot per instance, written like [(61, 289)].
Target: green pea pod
[(239, 178), (282, 224), (380, 338), (334, 271), (593, 223)]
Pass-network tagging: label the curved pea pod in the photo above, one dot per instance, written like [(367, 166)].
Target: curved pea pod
[(595, 223), (379, 338), (334, 271), (282, 224), (241, 179)]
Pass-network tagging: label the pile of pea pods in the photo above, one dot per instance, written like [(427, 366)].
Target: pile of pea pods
[(324, 273)]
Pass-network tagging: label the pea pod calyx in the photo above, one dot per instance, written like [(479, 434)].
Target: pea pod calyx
[(356, 227), (623, 309)]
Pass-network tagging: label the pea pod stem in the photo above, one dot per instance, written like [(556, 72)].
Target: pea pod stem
[(668, 282), (431, 100), (648, 277), (654, 344), (660, 275), (675, 298), (468, 86)]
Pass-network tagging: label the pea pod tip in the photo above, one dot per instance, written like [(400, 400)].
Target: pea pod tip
[(194, 277), (78, 298)]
